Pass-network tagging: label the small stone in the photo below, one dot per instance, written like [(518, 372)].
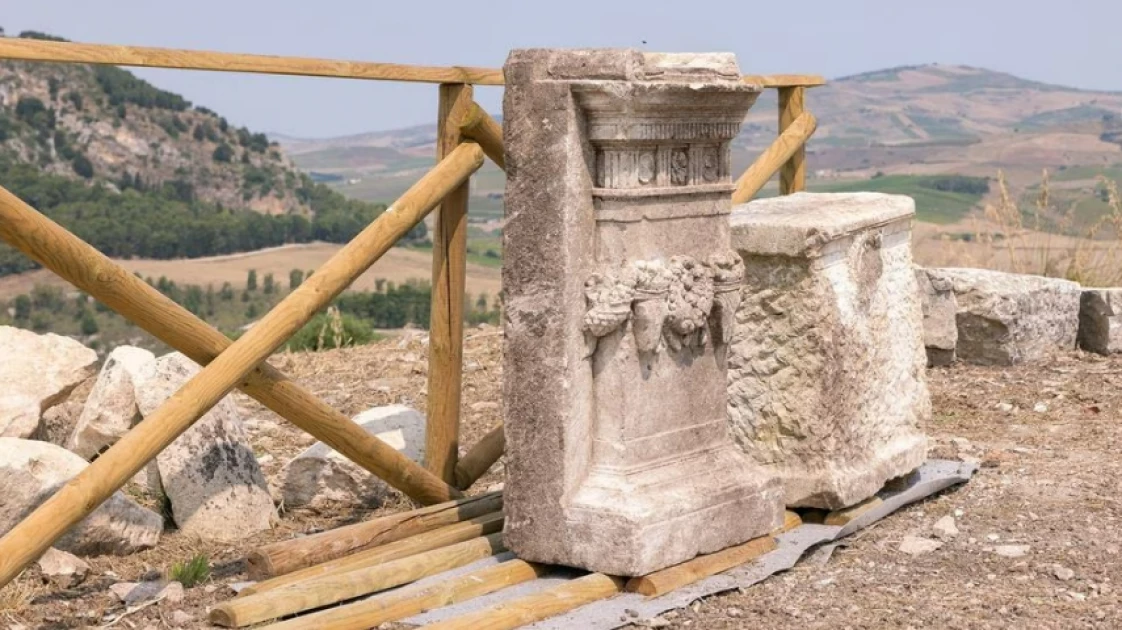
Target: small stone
[(1003, 407), (485, 405), (64, 569), (173, 593), (734, 612), (180, 618), (1076, 597), (1040, 408), (917, 546), (1062, 573), (1011, 551), (945, 528)]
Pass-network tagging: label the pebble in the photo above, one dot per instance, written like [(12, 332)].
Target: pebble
[(945, 528), (1003, 407), (1040, 408), (1011, 551), (181, 618), (917, 546), (1062, 573)]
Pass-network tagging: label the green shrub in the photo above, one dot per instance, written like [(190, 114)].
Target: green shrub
[(82, 166), (23, 307), (191, 573), (332, 330), (223, 153)]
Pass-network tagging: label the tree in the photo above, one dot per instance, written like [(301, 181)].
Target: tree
[(270, 285), (23, 307), (251, 280), (226, 293), (295, 278), (88, 324), (82, 166), (223, 153)]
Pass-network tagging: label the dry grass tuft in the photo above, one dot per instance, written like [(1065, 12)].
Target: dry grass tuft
[(15, 598)]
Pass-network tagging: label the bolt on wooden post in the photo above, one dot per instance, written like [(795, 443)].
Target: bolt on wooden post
[(792, 177), (446, 328)]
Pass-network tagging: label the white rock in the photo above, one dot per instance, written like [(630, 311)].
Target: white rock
[(917, 546), (209, 474), (1011, 551), (1062, 573), (321, 477), (1003, 407), (180, 618), (37, 372), (1040, 408), (62, 568), (945, 528), (31, 471), (111, 410)]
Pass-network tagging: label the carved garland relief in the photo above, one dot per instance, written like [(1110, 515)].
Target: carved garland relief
[(682, 302)]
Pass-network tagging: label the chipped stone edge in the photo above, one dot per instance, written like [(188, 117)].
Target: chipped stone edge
[(932, 477)]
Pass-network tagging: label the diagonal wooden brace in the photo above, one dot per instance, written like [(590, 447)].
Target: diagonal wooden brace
[(238, 364)]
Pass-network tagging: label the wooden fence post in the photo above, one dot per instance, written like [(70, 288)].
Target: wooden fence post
[(446, 327), (792, 177)]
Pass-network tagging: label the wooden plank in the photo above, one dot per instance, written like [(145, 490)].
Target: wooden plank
[(480, 458), (775, 157), (543, 605), (844, 516), (435, 539), (147, 57), (791, 520), (373, 612), (331, 589), (785, 80), (290, 555), (446, 327), (477, 125), (792, 177), (105, 475), (701, 567), (91, 271)]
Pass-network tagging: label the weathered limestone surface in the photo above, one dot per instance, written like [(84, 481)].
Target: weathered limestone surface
[(63, 569), (1007, 318), (209, 474), (31, 471), (826, 371), (110, 411), (1100, 320), (620, 290), (37, 372), (940, 330), (320, 477)]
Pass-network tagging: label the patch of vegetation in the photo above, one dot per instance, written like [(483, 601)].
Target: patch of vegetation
[(939, 198), (122, 86), (191, 573)]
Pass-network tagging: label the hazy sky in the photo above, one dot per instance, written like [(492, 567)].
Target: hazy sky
[(1074, 42)]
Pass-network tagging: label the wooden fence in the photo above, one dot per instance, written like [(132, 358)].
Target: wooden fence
[(465, 135)]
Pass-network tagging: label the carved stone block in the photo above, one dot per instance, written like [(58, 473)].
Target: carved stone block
[(620, 298), (826, 370)]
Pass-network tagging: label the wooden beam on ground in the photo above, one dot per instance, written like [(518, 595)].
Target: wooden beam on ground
[(331, 589), (480, 458), (373, 612), (446, 324), (792, 177), (543, 605), (105, 475), (773, 158), (290, 555), (477, 125), (77, 262), (146, 57), (784, 80), (435, 539), (791, 520), (844, 516), (701, 567)]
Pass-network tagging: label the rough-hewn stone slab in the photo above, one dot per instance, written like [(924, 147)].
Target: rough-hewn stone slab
[(826, 368), (619, 300), (1100, 320), (1008, 318), (940, 330), (40, 372)]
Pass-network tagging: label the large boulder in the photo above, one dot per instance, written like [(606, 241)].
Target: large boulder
[(110, 411), (1006, 318), (37, 372), (31, 471), (209, 474), (1100, 321), (940, 330), (321, 477)]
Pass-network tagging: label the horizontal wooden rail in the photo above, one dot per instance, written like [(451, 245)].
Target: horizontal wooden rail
[(97, 482), (147, 57), (774, 157), (75, 261), (150, 57), (479, 126)]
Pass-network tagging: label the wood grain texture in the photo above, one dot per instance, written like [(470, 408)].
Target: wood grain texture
[(331, 589), (792, 176), (477, 125), (105, 475), (446, 320), (442, 537), (844, 516), (543, 605), (377, 610), (290, 555), (784, 80), (147, 57), (775, 157), (480, 458), (89, 270), (791, 520), (701, 567)]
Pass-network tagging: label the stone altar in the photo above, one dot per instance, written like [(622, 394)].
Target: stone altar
[(826, 372), (620, 295)]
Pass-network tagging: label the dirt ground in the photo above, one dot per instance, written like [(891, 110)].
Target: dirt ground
[(1048, 437)]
